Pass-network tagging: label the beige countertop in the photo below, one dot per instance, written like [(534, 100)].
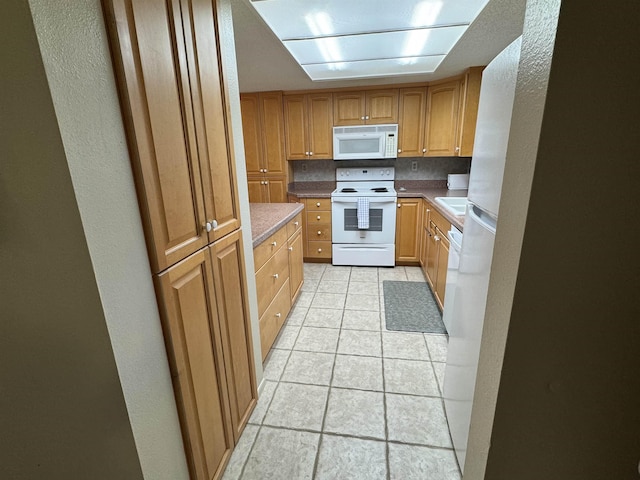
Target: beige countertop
[(427, 189), (268, 218)]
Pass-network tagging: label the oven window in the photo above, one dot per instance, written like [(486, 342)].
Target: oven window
[(351, 219)]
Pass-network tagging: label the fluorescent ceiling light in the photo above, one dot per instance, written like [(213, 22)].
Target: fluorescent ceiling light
[(368, 38)]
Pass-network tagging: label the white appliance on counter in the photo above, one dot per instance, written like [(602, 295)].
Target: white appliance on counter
[(465, 316), (364, 193), (365, 142)]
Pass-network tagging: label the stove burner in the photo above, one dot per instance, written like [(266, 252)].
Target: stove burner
[(380, 190), (348, 190)]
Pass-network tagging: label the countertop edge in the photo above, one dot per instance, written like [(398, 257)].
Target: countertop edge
[(280, 222)]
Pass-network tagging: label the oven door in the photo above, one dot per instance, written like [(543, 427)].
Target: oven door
[(382, 221)]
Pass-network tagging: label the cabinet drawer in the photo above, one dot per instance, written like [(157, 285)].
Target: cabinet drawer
[(271, 277), (318, 204), (266, 249), (318, 217), (273, 319), (294, 225), (319, 232), (442, 223), (319, 249)]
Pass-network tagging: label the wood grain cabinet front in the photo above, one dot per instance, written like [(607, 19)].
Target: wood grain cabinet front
[(317, 234), (371, 107), (436, 255), (408, 229), (309, 126)]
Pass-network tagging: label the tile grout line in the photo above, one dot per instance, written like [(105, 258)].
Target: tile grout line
[(326, 406), (384, 398)]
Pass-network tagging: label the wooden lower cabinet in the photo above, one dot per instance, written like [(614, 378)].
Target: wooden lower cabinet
[(436, 252), (408, 226), (267, 189), (279, 278), (208, 338), (317, 232)]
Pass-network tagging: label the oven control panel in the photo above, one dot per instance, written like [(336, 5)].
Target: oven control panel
[(359, 174)]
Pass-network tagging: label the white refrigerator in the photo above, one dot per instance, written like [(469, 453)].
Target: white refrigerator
[(465, 315)]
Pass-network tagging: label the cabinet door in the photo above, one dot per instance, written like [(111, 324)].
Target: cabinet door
[(408, 230), (295, 123), (442, 119), (412, 106), (216, 159), (272, 122), (233, 311), (257, 191), (296, 266), (320, 126), (470, 98), (443, 260), (250, 108), (193, 339), (276, 189), (154, 89), (432, 256), (348, 108), (382, 106)]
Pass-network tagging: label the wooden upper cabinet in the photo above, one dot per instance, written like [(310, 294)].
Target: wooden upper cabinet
[(469, 100), (174, 108), (194, 346), (369, 107), (263, 130), (442, 119), (308, 126), (412, 107)]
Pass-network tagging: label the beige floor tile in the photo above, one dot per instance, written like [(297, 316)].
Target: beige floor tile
[(410, 346), (297, 406), (287, 337), (355, 412), (418, 420), (353, 371), (439, 371), (314, 270), (391, 273), (304, 299), (415, 274), (361, 320), (312, 339), (363, 288), (282, 454), (329, 300), (337, 273), (274, 364), (309, 367), (310, 284), (264, 400), (363, 302), (364, 274), (413, 377), (360, 342), (342, 458), (438, 345), (333, 286), (408, 461), (323, 317), (296, 316)]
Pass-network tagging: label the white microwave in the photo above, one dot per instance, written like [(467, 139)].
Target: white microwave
[(365, 142)]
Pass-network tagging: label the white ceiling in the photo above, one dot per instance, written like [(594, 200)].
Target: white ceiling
[(265, 64)]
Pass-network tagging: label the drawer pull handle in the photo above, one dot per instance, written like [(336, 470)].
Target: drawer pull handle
[(319, 232), (278, 315), (318, 217), (291, 249), (318, 204), (275, 275), (319, 250), (296, 223), (274, 243)]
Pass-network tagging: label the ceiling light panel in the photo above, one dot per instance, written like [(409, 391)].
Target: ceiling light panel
[(373, 68), (299, 18), (408, 43)]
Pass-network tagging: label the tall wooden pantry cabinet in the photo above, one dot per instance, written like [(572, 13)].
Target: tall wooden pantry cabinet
[(175, 108)]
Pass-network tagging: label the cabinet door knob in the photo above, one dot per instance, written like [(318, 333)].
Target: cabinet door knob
[(399, 150), (318, 217), (274, 243), (319, 232), (317, 205), (361, 118), (296, 223), (306, 153), (311, 154), (399, 205), (214, 223), (319, 250), (424, 150), (275, 275), (266, 182), (278, 315), (436, 238), (366, 117), (291, 249), (457, 149), (208, 227)]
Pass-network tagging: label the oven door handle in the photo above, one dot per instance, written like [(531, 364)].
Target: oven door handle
[(372, 201)]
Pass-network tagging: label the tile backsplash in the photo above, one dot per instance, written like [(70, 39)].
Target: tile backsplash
[(431, 168)]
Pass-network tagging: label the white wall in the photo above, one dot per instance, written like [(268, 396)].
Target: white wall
[(75, 51)]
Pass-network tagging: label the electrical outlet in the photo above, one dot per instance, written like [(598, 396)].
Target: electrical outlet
[(304, 167), (414, 166)]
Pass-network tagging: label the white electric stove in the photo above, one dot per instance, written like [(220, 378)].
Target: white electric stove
[(374, 245)]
